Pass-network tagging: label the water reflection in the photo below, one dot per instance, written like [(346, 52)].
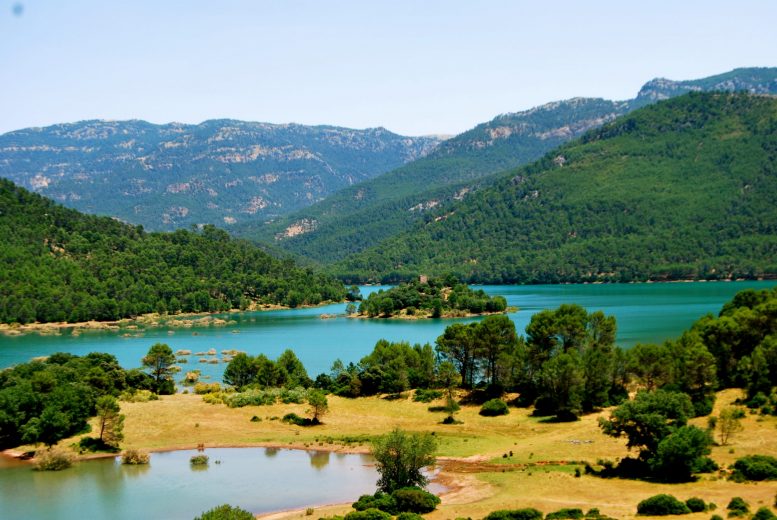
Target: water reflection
[(271, 452), (319, 459)]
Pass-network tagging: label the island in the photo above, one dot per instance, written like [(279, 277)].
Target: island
[(426, 297)]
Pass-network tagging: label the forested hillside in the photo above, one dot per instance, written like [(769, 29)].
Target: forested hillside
[(681, 189), (219, 172), (363, 215), (57, 264)]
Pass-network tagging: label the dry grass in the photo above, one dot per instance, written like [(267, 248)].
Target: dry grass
[(488, 482)]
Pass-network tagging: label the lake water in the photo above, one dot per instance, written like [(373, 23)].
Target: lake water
[(644, 312), (257, 479)]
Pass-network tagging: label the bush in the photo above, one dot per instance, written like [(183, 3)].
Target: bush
[(226, 512), (368, 514), (293, 396), (293, 418), (415, 500), (379, 500), (251, 398), (493, 408), (409, 516), (566, 513), (737, 507), (93, 444), (528, 513), (207, 388), (661, 505), (426, 396), (696, 505), (199, 460), (52, 460), (135, 457), (716, 517), (764, 513), (757, 467), (138, 396)]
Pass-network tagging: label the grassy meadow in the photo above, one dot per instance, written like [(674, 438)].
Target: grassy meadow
[(487, 463)]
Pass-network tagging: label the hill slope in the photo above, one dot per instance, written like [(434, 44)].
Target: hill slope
[(681, 189), (57, 264), (364, 214), (218, 172)]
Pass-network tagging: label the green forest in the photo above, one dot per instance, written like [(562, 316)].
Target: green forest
[(57, 264), (683, 189)]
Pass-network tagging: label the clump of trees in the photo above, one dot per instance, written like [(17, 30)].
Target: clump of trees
[(49, 400), (434, 297), (244, 371), (655, 424)]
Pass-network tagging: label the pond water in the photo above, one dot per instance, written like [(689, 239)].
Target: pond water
[(257, 479), (644, 312)]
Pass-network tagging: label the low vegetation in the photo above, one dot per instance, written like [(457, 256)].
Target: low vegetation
[(52, 460), (662, 505), (135, 457)]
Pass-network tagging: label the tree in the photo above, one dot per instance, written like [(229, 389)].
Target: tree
[(158, 362), (292, 370), (109, 421), (729, 423), (648, 419), (449, 379), (457, 345), (400, 457), (319, 405), (681, 454), (494, 336), (562, 386), (651, 364), (240, 371)]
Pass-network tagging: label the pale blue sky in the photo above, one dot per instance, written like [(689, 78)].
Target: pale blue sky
[(415, 67)]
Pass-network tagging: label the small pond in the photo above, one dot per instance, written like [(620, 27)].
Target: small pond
[(257, 479)]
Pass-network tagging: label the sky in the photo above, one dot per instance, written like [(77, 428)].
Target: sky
[(415, 67)]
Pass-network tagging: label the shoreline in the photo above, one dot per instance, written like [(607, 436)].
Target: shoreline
[(416, 317), (153, 320)]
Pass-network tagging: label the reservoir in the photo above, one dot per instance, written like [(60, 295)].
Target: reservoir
[(645, 313)]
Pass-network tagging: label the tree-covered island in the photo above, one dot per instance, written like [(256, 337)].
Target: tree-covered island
[(429, 298)]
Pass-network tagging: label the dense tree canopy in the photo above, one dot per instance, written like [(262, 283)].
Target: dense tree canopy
[(60, 265), (678, 190)]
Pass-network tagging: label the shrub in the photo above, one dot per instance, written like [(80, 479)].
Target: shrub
[(368, 514), (716, 517), (764, 513), (409, 516), (566, 513), (426, 396), (199, 460), (135, 457), (528, 513), (251, 398), (293, 418), (415, 500), (379, 500), (52, 460), (207, 388), (757, 467), (226, 512), (696, 505), (661, 505), (293, 396), (738, 507), (138, 396), (493, 408), (93, 444)]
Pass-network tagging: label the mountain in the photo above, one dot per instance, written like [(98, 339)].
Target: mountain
[(363, 215), (57, 264), (681, 189), (219, 172)]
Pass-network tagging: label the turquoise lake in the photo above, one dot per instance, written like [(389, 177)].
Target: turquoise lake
[(645, 313)]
